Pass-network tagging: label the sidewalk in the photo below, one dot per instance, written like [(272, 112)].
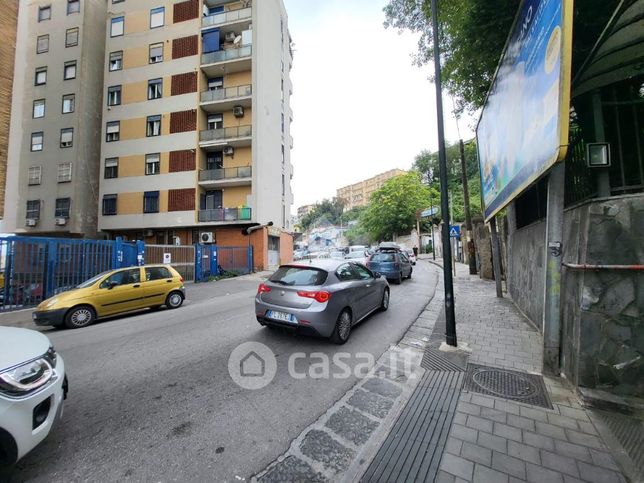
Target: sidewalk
[(498, 440)]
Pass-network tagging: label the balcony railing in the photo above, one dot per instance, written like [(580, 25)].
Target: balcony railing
[(225, 173), (227, 54), (225, 17), (227, 93), (225, 214), (225, 133)]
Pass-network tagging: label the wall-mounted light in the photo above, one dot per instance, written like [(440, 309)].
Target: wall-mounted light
[(598, 155)]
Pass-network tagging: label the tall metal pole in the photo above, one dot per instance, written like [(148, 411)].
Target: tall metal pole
[(471, 248), (450, 318)]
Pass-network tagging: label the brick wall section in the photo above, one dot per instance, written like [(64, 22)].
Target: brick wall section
[(181, 200), (232, 237), (184, 83), (182, 161), (185, 47), (286, 248), (185, 11), (183, 121)]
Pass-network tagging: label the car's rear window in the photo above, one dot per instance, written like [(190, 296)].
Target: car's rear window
[(297, 276), (383, 257)]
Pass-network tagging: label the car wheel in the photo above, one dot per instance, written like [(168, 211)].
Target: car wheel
[(342, 329), (80, 316), (410, 272), (398, 280), (384, 305), (174, 300)]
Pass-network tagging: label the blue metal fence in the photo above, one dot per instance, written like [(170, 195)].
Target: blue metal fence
[(35, 268)]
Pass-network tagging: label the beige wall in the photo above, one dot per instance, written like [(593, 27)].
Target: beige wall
[(235, 196)]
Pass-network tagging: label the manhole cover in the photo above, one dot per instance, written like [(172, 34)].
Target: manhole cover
[(513, 385), (504, 384)]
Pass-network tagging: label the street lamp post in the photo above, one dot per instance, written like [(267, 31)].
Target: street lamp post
[(450, 318)]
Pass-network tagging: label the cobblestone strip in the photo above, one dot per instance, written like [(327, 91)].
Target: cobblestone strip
[(341, 443)]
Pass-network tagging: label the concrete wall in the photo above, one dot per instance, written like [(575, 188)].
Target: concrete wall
[(603, 310)]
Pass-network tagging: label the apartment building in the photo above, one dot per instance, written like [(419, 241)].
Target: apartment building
[(54, 139), (196, 121), (358, 194), (8, 20)]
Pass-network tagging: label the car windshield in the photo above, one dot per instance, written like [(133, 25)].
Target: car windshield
[(92, 281), (337, 255), (355, 255), (298, 276), (383, 257)]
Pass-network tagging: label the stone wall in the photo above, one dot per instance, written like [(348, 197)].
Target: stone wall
[(483, 242)]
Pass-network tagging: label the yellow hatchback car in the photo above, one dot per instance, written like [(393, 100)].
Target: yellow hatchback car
[(113, 292)]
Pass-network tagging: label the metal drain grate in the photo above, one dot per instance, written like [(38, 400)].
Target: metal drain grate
[(435, 360), (513, 385)]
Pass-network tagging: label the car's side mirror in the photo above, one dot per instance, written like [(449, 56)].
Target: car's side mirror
[(377, 274)]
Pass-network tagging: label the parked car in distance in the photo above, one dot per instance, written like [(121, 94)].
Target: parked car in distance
[(357, 248), (391, 263), (411, 255), (358, 257), (324, 298), (337, 255), (33, 386), (113, 292)]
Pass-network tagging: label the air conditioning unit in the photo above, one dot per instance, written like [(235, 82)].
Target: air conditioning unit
[(238, 111), (61, 221), (31, 222), (230, 36), (229, 150), (206, 237)]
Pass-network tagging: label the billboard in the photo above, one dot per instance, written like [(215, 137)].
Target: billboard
[(523, 129)]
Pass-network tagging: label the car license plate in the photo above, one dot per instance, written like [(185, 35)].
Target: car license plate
[(282, 316)]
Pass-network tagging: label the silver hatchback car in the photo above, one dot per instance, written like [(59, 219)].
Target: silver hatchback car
[(321, 297)]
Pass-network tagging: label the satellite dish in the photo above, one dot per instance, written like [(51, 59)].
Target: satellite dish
[(237, 39)]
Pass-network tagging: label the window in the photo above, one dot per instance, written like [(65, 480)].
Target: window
[(215, 83), (116, 60), (210, 40), (42, 44), (156, 17), (33, 209), (124, 277), (109, 204), (73, 6), (62, 207), (70, 70), (282, 123), (362, 272), (39, 108), (113, 131), (156, 53), (41, 76), (155, 89), (215, 121), (157, 273), (114, 96), (36, 141), (151, 202), (35, 175), (67, 137), (64, 173), (152, 163), (344, 273), (44, 13), (69, 101), (153, 126), (117, 26), (71, 37), (111, 168)]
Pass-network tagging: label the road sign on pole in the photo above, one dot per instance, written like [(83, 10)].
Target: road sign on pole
[(454, 231)]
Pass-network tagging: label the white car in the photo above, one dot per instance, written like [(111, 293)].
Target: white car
[(411, 255), (32, 389), (360, 257)]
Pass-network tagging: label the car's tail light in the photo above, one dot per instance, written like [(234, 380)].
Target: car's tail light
[(319, 296), (181, 279), (263, 288)]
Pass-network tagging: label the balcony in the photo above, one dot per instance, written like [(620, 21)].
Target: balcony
[(225, 215), (237, 176), (230, 136), (227, 61), (229, 17), (225, 99)]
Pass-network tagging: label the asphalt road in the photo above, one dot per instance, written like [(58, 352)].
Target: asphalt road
[(151, 398)]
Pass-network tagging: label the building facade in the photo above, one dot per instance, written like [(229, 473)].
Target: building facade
[(358, 194), (8, 21), (196, 121), (54, 140)]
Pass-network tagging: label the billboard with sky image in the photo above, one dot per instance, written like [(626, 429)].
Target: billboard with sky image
[(523, 129)]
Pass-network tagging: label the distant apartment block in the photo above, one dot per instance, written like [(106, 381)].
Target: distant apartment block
[(54, 141), (304, 210), (358, 194), (8, 20), (195, 139)]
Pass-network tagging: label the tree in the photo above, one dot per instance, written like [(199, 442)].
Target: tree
[(326, 212), (392, 208)]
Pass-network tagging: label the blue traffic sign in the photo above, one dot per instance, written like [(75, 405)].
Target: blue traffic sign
[(429, 212), (454, 231)]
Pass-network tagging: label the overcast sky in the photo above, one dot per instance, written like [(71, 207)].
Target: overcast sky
[(359, 105)]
